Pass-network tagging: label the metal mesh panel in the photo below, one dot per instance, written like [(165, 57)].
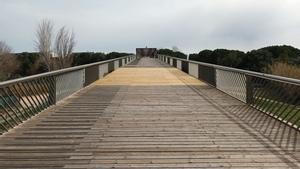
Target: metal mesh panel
[(68, 83), (103, 70), (179, 64), (116, 64), (193, 70), (232, 83)]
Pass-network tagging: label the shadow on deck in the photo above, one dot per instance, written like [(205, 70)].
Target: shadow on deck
[(150, 116)]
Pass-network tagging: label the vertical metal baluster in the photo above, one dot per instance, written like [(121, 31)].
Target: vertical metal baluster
[(39, 88), (52, 89), (7, 111), (28, 98), (259, 90), (290, 113), (11, 109), (256, 102), (297, 121), (282, 104), (270, 108), (243, 87), (25, 103), (36, 95), (47, 86), (294, 115), (36, 85), (288, 105), (59, 94), (5, 119), (3, 125), (17, 95), (53, 80), (263, 95), (249, 89), (255, 96), (292, 103), (13, 106), (264, 100), (35, 105), (19, 110)]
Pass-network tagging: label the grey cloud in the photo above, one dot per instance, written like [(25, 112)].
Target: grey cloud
[(122, 25)]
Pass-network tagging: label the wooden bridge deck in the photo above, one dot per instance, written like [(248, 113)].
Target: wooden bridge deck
[(150, 116)]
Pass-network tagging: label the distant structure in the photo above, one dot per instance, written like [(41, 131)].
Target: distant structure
[(146, 52)]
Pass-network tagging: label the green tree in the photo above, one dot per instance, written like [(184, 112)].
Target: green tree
[(257, 60), (172, 53)]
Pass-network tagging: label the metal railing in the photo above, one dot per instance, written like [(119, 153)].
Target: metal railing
[(20, 99), (278, 97)]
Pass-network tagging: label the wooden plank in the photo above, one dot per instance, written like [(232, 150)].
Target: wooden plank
[(149, 115)]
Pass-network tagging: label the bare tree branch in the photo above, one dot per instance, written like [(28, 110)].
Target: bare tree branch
[(64, 45), (44, 42), (4, 48), (8, 62)]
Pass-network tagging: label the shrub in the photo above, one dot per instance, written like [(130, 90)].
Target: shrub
[(285, 69)]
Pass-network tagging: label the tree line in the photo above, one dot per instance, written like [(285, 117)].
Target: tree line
[(54, 51), (29, 63), (260, 60)]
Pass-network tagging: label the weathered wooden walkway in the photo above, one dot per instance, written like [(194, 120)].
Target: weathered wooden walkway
[(148, 115)]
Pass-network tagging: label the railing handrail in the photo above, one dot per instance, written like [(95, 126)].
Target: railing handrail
[(246, 72), (57, 72), (273, 95), (38, 92)]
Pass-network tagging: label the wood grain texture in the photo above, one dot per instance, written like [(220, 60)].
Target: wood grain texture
[(149, 115)]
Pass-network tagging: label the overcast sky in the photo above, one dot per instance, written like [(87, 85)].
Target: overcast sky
[(123, 25)]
